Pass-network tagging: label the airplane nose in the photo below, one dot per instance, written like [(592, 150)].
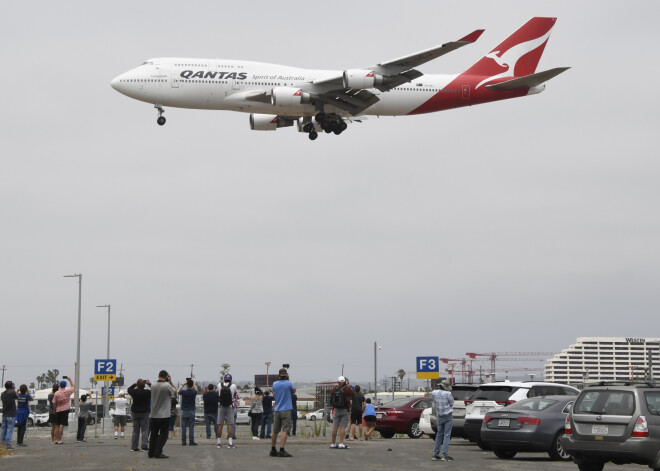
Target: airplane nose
[(115, 83)]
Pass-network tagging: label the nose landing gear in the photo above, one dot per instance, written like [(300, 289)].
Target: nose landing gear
[(161, 119)]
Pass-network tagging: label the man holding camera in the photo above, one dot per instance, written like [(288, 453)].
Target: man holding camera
[(159, 421), (62, 402), (211, 399), (188, 396), (9, 413), (140, 412), (226, 391), (282, 391)]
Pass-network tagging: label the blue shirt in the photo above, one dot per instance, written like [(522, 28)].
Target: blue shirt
[(268, 404), (282, 391), (188, 399), (369, 410), (444, 402)]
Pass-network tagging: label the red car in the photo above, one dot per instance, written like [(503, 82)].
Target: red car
[(401, 416)]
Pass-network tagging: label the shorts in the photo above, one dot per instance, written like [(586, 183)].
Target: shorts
[(226, 414), (62, 418), (340, 418), (356, 417), (370, 419), (52, 418), (282, 422), (119, 420)]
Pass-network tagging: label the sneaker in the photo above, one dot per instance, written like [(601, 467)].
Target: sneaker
[(355, 437), (341, 446), (273, 452), (442, 458), (145, 448), (219, 446), (183, 443), (448, 458), (268, 436), (23, 444), (232, 446), (116, 437), (192, 444), (135, 449), (256, 438), (436, 458), (333, 446), (284, 454), (161, 456)]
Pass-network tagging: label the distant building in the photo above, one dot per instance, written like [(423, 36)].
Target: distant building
[(605, 359)]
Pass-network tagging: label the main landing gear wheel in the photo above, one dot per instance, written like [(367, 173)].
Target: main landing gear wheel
[(312, 136), (161, 119)]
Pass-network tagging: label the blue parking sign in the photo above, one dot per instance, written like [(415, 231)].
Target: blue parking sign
[(428, 368), (105, 367)]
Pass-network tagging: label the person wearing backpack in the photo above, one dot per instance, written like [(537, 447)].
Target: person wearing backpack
[(226, 391), (340, 400)]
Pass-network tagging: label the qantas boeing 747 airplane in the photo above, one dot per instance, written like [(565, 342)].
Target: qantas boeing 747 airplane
[(327, 100)]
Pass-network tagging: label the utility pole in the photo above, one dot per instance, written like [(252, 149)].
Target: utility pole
[(191, 371), (4, 367)]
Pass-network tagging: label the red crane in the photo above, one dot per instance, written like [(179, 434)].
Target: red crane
[(463, 370), (510, 356)]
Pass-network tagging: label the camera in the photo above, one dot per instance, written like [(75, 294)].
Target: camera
[(286, 365), (188, 379)]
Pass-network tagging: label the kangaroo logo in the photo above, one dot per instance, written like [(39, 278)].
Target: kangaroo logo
[(510, 58)]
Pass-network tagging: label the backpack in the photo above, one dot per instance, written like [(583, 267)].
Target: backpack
[(338, 398), (225, 396)]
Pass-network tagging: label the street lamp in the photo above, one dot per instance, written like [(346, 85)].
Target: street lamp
[(376, 348), (105, 383), (267, 366), (76, 397)]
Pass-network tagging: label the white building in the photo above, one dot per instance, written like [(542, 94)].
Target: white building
[(605, 359)]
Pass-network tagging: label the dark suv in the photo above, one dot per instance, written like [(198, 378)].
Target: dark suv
[(614, 422)]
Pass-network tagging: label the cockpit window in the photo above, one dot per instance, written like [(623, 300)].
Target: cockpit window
[(148, 63)]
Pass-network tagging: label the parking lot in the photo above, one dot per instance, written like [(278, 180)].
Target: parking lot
[(308, 453)]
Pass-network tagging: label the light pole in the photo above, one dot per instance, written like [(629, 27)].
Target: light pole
[(106, 403), (76, 396), (267, 366), (376, 348)]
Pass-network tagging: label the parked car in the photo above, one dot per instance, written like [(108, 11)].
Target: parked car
[(460, 392), (617, 423), (242, 416), (91, 420), (401, 416), (111, 413), (494, 396), (535, 424), (318, 415)]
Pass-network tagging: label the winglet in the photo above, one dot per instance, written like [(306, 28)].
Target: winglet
[(473, 36)]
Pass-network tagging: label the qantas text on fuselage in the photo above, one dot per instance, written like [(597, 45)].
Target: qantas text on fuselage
[(327, 100)]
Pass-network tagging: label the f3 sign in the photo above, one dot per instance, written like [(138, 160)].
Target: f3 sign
[(428, 368)]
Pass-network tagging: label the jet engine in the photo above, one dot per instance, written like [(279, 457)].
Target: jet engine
[(289, 96), (360, 78), (268, 122)]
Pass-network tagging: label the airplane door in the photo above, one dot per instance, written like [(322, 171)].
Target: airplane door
[(175, 81), (466, 92)]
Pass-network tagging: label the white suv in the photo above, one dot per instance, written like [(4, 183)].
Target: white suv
[(494, 396)]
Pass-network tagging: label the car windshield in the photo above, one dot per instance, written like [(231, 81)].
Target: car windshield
[(536, 403), (461, 394), (493, 393), (605, 402), (402, 401), (653, 401)]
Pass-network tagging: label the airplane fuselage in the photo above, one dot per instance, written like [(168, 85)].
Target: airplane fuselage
[(227, 85)]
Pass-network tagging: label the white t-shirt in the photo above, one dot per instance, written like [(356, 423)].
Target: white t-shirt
[(120, 406)]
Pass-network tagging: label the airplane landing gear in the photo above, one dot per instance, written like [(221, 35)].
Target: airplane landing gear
[(161, 119), (329, 123), (313, 135)]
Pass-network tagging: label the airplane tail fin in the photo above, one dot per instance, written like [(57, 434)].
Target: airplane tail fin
[(518, 55)]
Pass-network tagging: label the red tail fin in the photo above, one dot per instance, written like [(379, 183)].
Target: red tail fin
[(518, 55)]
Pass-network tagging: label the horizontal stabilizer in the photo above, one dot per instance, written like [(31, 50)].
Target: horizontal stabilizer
[(528, 81)]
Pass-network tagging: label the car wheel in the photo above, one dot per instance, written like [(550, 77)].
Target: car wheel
[(30, 422), (312, 417), (557, 451), (91, 421), (483, 445), (388, 434), (413, 429), (505, 454)]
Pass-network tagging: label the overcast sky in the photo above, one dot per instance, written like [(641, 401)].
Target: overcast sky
[(514, 226)]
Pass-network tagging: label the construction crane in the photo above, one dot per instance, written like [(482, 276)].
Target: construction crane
[(465, 368), (509, 356)]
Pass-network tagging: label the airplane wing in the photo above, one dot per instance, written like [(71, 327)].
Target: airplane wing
[(333, 90)]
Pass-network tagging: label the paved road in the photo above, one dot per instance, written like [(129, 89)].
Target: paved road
[(308, 454)]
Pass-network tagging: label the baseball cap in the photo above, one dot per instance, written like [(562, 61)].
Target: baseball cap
[(341, 379), (227, 378), (62, 384)]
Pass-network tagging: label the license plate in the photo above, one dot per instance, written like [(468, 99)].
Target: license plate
[(379, 416), (599, 429), (503, 422)]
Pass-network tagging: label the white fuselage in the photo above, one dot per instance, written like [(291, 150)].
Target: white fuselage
[(216, 84)]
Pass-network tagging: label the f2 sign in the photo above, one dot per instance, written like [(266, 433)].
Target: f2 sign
[(428, 368), (105, 370)]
